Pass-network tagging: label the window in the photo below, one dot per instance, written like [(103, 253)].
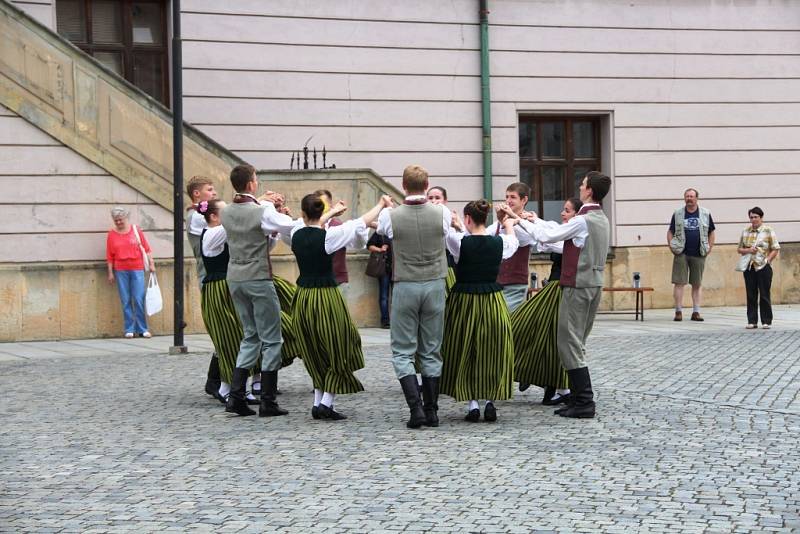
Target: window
[(128, 37), (555, 153)]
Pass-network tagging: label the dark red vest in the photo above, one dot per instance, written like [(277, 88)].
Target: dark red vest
[(514, 270), (339, 259)]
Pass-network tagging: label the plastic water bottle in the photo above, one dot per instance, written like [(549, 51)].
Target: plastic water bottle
[(533, 280), (637, 280)]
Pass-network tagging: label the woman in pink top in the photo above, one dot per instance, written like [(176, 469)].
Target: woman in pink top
[(126, 266)]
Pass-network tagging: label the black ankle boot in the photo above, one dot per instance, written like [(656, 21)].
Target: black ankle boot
[(411, 392), (430, 397), (213, 378), (581, 399), (237, 402), (269, 388)]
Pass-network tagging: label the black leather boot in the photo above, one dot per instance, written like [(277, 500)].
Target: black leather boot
[(213, 378), (430, 397), (237, 402), (269, 388), (411, 391), (581, 401)]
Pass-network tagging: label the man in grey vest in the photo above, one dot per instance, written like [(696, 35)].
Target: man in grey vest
[(417, 229), (249, 223), (586, 239), (690, 238)]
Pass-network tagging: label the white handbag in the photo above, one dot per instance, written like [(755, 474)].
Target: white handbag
[(152, 298), (744, 262)]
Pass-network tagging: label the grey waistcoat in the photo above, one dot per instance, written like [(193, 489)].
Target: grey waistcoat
[(418, 243), (194, 242), (247, 244), (592, 259)]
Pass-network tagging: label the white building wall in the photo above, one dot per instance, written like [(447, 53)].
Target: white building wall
[(696, 94), (56, 203), (41, 10)]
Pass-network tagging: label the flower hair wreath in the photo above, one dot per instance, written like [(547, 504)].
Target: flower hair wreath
[(203, 206)]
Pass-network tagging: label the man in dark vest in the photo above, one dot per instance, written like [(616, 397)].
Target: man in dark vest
[(513, 275), (417, 229), (249, 223), (586, 240)]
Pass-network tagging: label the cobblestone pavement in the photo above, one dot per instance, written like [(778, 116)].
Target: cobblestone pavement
[(697, 432)]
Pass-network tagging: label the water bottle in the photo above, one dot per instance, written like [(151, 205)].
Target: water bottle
[(637, 280), (533, 280)]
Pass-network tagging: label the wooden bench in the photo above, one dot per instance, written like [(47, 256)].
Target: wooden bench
[(638, 312)]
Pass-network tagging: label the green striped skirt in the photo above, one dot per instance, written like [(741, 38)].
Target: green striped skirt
[(286, 291), (534, 325), (223, 325), (330, 342), (477, 350), (291, 348), (450, 281)]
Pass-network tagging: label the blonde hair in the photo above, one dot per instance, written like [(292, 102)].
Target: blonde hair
[(195, 183), (415, 179)]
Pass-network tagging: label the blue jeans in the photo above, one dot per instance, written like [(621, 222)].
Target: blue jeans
[(130, 285), (384, 283)]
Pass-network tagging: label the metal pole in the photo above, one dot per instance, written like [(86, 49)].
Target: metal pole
[(177, 180), (486, 102)]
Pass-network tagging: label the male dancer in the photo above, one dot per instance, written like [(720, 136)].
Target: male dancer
[(586, 238), (513, 275), (200, 188), (248, 224), (417, 229)]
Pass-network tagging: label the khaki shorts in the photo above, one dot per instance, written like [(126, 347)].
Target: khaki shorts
[(688, 269)]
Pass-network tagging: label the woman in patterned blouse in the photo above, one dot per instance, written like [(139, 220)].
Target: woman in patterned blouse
[(759, 241)]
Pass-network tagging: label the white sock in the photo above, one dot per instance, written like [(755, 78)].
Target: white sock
[(562, 392), (473, 405), (419, 381), (696, 309), (327, 399), (678, 308), (256, 384), (224, 389), (317, 397), (250, 396)]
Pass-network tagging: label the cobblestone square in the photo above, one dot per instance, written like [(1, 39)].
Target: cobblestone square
[(697, 431)]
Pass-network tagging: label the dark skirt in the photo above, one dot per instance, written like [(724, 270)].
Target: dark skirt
[(286, 291), (330, 342), (291, 348), (534, 325), (478, 350), (222, 324), (450, 281)]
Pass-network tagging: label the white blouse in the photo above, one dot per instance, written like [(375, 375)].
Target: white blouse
[(215, 238), (352, 235), (454, 237)]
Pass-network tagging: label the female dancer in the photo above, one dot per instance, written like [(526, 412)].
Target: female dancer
[(534, 324), (331, 344), (477, 350), (438, 195)]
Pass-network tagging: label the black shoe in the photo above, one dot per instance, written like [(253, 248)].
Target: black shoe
[(411, 392), (315, 412), (561, 399), (490, 413), (473, 416), (329, 413), (385, 326), (236, 400), (430, 400), (523, 386), (581, 405), (213, 378), (223, 400), (548, 394), (269, 385)]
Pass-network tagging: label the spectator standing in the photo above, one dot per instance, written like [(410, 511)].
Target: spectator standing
[(690, 238), (381, 243), (760, 242), (124, 245)]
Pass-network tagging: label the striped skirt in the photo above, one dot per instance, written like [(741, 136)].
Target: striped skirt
[(477, 350), (330, 342), (450, 281), (222, 324), (534, 325), (286, 291)]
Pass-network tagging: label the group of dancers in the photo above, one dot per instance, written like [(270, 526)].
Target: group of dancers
[(459, 313)]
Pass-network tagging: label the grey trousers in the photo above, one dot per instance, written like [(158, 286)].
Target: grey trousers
[(257, 305), (515, 295), (575, 318), (417, 326)]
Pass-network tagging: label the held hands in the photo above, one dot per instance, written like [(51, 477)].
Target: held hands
[(387, 201), (529, 216), (338, 208), (456, 222), (508, 217), (271, 196)]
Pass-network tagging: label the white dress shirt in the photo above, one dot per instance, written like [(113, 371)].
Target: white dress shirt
[(524, 237), (453, 241), (197, 223), (214, 241), (552, 232), (352, 234), (385, 220)]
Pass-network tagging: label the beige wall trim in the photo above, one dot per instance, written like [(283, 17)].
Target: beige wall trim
[(67, 94)]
